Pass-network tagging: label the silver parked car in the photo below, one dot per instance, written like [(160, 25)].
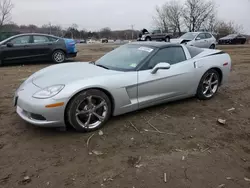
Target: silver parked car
[(197, 39), (131, 77)]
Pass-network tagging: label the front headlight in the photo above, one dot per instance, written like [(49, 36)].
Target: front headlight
[(48, 92)]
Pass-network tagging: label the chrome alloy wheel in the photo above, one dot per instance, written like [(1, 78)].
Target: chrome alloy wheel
[(59, 56), (210, 85), (91, 112)]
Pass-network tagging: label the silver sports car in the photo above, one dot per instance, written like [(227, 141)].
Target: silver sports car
[(131, 77)]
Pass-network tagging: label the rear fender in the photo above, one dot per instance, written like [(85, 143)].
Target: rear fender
[(70, 46)]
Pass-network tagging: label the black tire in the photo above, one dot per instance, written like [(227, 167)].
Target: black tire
[(77, 121), (212, 46), (58, 56), (200, 95), (148, 39), (167, 39), (1, 63)]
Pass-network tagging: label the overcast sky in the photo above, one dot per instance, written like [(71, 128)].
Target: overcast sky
[(116, 14)]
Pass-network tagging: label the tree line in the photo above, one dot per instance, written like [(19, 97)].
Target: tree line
[(193, 15)]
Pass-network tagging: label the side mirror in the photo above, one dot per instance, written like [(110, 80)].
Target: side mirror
[(198, 38), (162, 65), (9, 44)]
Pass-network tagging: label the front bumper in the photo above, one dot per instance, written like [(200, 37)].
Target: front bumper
[(141, 39), (33, 110)]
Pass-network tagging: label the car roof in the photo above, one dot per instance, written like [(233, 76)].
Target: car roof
[(25, 34), (156, 44)]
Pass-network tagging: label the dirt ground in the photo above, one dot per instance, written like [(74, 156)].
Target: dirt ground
[(194, 151)]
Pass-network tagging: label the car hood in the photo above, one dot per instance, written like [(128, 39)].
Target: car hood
[(68, 72), (178, 40), (226, 38)]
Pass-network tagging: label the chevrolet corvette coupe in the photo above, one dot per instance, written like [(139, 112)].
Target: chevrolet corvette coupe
[(131, 77)]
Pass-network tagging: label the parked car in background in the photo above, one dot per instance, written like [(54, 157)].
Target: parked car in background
[(104, 40), (197, 39), (35, 46), (155, 35), (233, 39)]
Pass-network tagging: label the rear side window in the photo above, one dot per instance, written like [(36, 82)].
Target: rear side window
[(53, 39), (171, 55), (208, 36), (194, 51), (40, 39)]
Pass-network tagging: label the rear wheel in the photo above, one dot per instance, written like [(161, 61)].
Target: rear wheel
[(89, 110), (208, 85), (167, 39), (58, 56), (148, 39)]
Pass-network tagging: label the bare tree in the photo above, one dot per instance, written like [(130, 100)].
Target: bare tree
[(197, 12), (105, 32), (211, 23), (225, 28), (172, 10), (6, 7), (160, 19)]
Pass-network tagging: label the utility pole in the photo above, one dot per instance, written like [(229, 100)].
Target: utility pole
[(50, 28), (132, 27)]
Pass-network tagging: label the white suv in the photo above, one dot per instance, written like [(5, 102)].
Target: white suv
[(198, 39)]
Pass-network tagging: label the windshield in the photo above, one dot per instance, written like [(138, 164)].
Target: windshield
[(231, 36), (189, 36), (126, 57)]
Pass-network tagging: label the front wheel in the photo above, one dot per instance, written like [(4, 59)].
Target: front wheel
[(58, 56), (167, 39), (89, 110), (212, 46), (208, 85)]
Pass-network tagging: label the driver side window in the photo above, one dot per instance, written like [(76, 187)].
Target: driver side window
[(201, 36), (171, 55)]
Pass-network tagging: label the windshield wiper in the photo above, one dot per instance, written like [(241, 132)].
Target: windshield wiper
[(102, 66)]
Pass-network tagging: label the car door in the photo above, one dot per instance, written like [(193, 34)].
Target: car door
[(17, 48), (210, 40), (159, 35), (201, 41), (41, 46), (165, 84)]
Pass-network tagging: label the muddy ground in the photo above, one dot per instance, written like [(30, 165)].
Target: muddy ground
[(194, 152)]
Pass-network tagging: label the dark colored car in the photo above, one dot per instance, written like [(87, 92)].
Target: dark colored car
[(104, 40), (155, 35), (233, 39), (33, 47)]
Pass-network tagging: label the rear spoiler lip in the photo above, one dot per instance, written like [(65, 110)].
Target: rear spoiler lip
[(217, 53)]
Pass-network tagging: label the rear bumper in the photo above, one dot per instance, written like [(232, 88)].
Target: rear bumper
[(71, 55)]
